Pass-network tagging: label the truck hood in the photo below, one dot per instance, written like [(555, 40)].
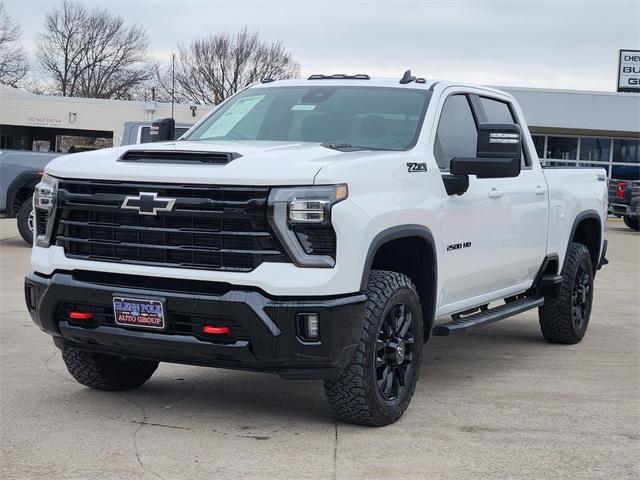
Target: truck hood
[(258, 163)]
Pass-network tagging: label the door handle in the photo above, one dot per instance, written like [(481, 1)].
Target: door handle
[(540, 190), (496, 193)]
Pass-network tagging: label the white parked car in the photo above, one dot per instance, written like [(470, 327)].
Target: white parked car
[(318, 229)]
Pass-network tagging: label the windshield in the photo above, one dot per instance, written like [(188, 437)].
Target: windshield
[(373, 118)]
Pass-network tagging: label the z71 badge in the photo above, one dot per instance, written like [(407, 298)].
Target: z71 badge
[(417, 167)]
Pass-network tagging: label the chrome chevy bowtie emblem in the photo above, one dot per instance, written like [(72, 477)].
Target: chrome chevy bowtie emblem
[(148, 203)]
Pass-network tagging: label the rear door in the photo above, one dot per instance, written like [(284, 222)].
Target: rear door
[(525, 200)]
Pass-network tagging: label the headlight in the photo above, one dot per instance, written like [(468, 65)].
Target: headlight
[(44, 206), (301, 218)]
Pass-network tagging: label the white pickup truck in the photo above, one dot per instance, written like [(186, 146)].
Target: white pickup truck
[(321, 228)]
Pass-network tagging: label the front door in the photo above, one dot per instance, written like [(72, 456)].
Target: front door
[(472, 224)]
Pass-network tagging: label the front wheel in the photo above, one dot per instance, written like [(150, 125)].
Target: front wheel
[(107, 372), (564, 319), (376, 386), (632, 222)]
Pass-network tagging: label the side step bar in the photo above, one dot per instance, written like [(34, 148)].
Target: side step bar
[(485, 317)]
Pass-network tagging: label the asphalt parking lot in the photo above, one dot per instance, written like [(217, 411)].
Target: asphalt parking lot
[(495, 403)]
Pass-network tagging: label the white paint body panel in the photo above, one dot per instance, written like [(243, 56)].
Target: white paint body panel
[(509, 236)]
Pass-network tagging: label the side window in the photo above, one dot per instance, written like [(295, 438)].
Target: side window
[(496, 111), (500, 112), (457, 134)]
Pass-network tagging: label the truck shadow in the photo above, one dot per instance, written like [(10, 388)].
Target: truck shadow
[(185, 396)]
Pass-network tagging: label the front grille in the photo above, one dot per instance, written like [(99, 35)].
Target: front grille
[(209, 227)]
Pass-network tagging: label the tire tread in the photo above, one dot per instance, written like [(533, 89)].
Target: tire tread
[(349, 395)]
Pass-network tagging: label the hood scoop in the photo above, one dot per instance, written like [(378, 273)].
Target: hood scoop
[(178, 156)]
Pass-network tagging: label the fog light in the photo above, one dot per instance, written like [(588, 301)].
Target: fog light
[(308, 326), (75, 315)]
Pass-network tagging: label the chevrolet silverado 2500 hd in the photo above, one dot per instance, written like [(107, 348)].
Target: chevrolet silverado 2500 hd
[(318, 229)]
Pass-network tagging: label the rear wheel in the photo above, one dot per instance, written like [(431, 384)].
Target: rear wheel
[(107, 372), (26, 219), (632, 222), (376, 387), (565, 319)]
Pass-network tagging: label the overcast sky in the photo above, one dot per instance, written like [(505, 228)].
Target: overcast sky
[(555, 44)]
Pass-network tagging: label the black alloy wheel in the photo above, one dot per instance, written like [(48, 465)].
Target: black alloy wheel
[(581, 296), (394, 352)]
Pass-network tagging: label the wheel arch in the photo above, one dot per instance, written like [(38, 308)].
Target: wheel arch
[(16, 190), (586, 229), (410, 250)]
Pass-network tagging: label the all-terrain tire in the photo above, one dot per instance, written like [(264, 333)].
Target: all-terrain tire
[(25, 223), (632, 222), (355, 396), (565, 318), (107, 372)]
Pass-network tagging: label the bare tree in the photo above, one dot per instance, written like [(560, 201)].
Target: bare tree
[(92, 53), (210, 69), (13, 61)]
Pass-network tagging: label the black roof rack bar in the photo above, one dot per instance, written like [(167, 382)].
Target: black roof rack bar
[(339, 76)]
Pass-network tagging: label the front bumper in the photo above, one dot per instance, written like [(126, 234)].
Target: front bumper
[(270, 342)]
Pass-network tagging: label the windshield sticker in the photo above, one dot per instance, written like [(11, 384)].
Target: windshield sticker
[(233, 115), (303, 107)]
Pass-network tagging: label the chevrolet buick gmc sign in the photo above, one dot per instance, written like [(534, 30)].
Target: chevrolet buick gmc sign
[(629, 71)]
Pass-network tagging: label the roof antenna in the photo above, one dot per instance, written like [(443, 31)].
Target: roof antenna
[(407, 77)]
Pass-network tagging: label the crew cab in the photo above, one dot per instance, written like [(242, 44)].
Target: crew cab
[(318, 229)]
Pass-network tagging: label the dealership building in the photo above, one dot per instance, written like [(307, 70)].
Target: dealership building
[(581, 128), (51, 123), (569, 127)]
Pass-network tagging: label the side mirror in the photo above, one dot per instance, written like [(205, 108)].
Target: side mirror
[(162, 130), (498, 153)]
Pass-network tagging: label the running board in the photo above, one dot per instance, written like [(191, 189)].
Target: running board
[(485, 317)]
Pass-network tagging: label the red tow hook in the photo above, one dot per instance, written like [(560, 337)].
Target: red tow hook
[(211, 330)]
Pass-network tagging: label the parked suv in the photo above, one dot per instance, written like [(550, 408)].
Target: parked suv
[(317, 229)]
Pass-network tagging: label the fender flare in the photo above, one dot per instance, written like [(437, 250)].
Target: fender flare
[(23, 179), (587, 214), (395, 233), (429, 300)]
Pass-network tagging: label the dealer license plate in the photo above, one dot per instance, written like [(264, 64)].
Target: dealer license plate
[(139, 312)]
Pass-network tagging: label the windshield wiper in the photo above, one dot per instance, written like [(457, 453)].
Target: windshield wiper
[(344, 147)]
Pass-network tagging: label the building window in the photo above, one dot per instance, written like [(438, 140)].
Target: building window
[(625, 172), (538, 141), (562, 148), (627, 151), (595, 149)]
